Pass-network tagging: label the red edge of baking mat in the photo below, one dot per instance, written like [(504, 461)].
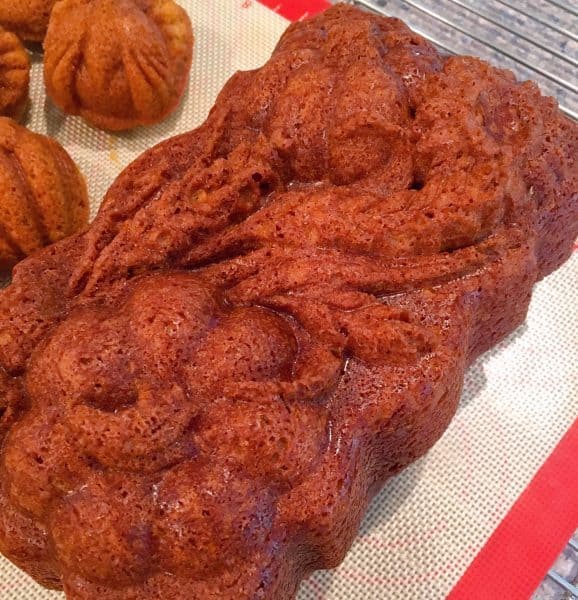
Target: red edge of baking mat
[(295, 10), (525, 545)]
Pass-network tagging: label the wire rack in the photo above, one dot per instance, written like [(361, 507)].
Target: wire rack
[(558, 583), (564, 584), (537, 39)]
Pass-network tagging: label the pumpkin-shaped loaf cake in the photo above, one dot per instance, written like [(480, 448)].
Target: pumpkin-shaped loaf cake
[(27, 18), (271, 315), (14, 75), (43, 195), (118, 63)]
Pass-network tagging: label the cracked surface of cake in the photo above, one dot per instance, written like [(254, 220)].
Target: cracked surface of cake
[(271, 315)]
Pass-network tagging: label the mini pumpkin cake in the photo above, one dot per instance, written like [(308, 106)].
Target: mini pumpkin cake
[(27, 18), (43, 195), (118, 63), (14, 75)]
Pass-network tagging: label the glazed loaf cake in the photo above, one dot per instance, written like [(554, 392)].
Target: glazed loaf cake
[(271, 316)]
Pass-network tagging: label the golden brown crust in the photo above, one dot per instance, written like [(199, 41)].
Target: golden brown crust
[(44, 197), (27, 18), (272, 314), (14, 76), (118, 63)]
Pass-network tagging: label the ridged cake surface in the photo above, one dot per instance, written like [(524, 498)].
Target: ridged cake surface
[(14, 75), (43, 196), (118, 63)]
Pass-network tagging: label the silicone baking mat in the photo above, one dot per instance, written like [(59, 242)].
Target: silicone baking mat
[(500, 488)]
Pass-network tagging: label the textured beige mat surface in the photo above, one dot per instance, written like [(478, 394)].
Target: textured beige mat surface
[(427, 525)]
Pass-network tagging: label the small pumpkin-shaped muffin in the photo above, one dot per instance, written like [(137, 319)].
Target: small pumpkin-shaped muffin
[(43, 195), (27, 18), (118, 63), (14, 75)]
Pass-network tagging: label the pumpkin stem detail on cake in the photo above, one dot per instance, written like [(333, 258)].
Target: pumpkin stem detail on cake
[(271, 315)]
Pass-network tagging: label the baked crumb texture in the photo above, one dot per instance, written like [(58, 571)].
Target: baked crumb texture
[(26, 18), (272, 314)]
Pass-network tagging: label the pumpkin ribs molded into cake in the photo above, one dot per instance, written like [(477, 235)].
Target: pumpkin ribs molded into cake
[(44, 196), (118, 63), (14, 76), (271, 315)]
